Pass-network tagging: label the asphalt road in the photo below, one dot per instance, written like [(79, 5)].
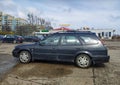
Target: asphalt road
[(58, 73), (7, 61)]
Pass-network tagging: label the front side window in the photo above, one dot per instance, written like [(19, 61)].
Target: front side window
[(69, 40), (52, 40)]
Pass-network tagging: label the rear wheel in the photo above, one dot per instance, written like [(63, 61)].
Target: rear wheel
[(83, 61), (24, 57)]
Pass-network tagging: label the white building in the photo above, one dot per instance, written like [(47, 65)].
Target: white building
[(105, 34), (0, 21), (102, 33)]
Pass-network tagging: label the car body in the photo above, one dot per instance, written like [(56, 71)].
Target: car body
[(12, 39), (1, 37), (82, 48)]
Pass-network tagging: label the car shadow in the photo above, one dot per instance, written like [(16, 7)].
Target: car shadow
[(54, 62), (71, 64), (98, 65)]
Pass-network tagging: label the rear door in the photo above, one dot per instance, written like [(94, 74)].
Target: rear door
[(69, 46)]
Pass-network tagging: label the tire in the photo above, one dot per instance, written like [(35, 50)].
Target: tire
[(83, 61), (24, 57)]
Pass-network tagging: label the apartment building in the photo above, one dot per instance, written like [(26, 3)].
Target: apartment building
[(8, 22), (0, 21), (20, 21)]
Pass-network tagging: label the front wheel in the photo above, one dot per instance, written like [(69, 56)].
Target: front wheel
[(83, 61), (24, 57)]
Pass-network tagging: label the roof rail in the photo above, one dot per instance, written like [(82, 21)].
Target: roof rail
[(74, 31), (77, 31)]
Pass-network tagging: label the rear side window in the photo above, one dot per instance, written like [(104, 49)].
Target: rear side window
[(89, 39), (69, 40)]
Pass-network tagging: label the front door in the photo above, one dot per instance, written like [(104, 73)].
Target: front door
[(47, 49)]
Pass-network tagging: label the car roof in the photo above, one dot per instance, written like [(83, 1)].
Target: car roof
[(75, 32)]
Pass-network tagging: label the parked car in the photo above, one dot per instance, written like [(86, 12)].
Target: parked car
[(1, 37), (31, 39), (82, 48), (12, 39)]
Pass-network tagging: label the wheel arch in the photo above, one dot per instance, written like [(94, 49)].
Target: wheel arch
[(83, 52), (25, 50)]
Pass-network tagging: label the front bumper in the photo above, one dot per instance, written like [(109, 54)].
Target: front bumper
[(15, 53)]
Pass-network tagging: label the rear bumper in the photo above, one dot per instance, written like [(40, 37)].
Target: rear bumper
[(104, 59)]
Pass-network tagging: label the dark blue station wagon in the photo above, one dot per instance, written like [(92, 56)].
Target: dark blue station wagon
[(82, 48)]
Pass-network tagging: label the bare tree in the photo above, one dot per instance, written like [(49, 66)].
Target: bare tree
[(38, 21), (25, 30)]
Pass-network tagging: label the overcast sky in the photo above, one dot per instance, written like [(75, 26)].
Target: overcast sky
[(98, 14)]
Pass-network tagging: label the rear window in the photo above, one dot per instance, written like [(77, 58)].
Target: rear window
[(89, 39)]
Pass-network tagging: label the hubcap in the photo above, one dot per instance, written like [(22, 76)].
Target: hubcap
[(83, 61), (24, 57)]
